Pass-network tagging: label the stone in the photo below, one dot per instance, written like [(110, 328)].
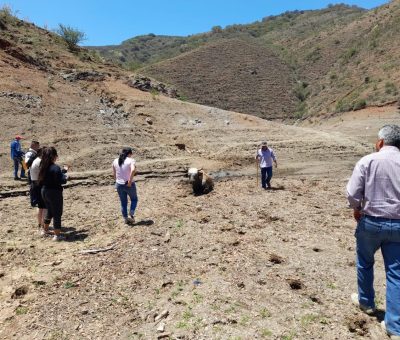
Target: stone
[(161, 327)]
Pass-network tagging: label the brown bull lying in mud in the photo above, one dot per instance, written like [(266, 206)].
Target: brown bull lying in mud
[(201, 182)]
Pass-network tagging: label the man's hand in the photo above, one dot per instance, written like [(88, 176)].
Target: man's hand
[(357, 215), (129, 184)]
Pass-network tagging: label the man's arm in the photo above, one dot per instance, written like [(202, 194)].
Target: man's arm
[(274, 159), (355, 190)]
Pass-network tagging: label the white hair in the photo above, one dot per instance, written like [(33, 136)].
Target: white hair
[(390, 135)]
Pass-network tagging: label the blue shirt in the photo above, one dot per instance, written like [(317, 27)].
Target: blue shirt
[(15, 149)]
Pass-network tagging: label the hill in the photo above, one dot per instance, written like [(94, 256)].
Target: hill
[(240, 74), (237, 263), (340, 58)]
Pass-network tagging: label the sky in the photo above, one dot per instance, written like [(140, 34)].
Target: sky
[(109, 22)]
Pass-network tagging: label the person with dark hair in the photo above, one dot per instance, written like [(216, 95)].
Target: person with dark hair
[(36, 188), (124, 169), (51, 178), (16, 156), (373, 192)]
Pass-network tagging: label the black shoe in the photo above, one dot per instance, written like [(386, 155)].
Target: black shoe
[(17, 178)]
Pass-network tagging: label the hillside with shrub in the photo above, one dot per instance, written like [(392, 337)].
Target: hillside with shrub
[(340, 58)]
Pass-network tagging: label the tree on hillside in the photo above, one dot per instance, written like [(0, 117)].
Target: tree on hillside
[(72, 36), (216, 29)]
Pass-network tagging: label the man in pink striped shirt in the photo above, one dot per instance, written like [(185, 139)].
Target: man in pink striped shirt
[(374, 194)]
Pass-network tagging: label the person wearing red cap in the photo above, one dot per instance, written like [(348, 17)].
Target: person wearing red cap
[(16, 156)]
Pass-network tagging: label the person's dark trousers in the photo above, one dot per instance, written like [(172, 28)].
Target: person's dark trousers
[(17, 162), (33, 194), (53, 199), (266, 175)]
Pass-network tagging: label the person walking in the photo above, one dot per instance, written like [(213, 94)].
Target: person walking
[(124, 170), (264, 158), (36, 189), (373, 192), (16, 156), (51, 178)]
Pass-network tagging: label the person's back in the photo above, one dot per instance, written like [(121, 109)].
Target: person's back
[(123, 172), (15, 147), (380, 194), (373, 192), (34, 169), (54, 178)]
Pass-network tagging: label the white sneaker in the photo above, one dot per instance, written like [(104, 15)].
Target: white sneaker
[(58, 238), (392, 336), (44, 233), (365, 309)]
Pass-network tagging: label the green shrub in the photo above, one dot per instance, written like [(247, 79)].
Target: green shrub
[(390, 88), (301, 91), (72, 36), (314, 55), (216, 29), (349, 54), (7, 15), (359, 104), (343, 106)]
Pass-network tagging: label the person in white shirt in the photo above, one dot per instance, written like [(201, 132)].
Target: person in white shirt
[(124, 169), (29, 157), (35, 192), (265, 156)]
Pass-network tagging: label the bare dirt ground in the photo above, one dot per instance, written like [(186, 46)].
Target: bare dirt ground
[(239, 263)]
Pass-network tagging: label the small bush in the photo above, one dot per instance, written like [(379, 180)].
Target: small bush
[(390, 88), (302, 91), (216, 29), (72, 36), (359, 104), (7, 15), (349, 54), (343, 106)]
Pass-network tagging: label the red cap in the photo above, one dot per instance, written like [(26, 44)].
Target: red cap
[(18, 137)]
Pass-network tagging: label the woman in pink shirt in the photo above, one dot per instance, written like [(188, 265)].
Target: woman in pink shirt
[(124, 170)]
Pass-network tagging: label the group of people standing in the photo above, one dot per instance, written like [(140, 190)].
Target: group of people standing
[(46, 179)]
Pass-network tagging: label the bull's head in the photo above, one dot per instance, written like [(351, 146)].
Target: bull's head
[(195, 175)]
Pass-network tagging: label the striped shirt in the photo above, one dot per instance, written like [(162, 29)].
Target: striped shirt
[(374, 187)]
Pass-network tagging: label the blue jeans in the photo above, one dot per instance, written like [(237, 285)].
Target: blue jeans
[(266, 175), (123, 192), (373, 233), (17, 163)]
